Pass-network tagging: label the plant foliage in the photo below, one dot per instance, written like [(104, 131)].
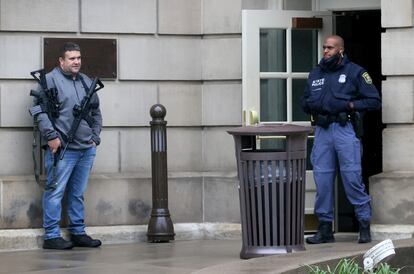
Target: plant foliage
[(349, 266)]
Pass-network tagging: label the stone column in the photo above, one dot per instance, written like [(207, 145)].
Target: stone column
[(392, 190)]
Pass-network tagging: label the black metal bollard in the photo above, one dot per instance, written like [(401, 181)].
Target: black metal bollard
[(160, 227)]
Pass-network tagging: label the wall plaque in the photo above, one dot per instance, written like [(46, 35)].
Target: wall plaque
[(98, 55), (307, 23)]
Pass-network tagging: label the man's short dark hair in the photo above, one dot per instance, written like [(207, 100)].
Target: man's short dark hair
[(69, 46)]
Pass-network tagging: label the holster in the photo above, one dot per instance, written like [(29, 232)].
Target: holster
[(357, 123), (322, 120)]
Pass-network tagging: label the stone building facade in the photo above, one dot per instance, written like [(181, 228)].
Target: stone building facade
[(186, 55)]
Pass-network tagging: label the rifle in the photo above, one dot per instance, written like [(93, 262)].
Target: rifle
[(47, 99), (81, 112), (46, 102)]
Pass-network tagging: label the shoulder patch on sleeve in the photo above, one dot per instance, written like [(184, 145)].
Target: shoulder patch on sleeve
[(367, 78)]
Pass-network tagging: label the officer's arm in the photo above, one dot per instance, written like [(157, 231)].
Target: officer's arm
[(368, 98), (303, 99)]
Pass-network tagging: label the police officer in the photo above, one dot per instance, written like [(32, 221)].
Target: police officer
[(337, 91)]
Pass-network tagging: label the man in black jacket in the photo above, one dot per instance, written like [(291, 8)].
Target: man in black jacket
[(337, 93)]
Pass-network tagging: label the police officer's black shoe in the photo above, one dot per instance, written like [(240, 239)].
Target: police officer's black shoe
[(364, 232), (84, 241), (323, 235), (57, 243)]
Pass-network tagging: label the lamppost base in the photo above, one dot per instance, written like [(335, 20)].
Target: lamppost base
[(160, 227)]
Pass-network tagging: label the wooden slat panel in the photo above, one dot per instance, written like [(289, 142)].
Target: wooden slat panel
[(266, 200), (253, 167)]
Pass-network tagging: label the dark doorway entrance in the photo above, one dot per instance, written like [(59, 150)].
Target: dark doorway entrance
[(361, 31)]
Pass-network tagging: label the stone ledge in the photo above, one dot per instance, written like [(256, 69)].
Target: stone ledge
[(381, 232), (24, 239), (392, 198), (132, 175)]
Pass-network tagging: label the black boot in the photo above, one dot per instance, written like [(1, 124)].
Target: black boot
[(323, 235), (57, 243), (364, 232), (84, 241)]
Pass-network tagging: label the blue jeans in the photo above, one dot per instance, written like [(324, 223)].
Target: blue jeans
[(72, 173), (332, 144)]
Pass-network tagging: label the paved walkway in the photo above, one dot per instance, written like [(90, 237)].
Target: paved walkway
[(204, 256)]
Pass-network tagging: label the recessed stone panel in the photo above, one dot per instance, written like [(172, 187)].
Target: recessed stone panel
[(183, 104), (185, 199), (222, 16), (118, 200), (136, 150), (218, 54), (14, 63), (218, 150), (179, 16), (221, 200), (107, 153), (392, 201), (184, 150), (21, 203), (126, 103), (16, 152), (395, 14), (15, 100), (166, 58), (226, 110), (398, 101), (39, 15), (398, 148), (122, 16), (395, 48)]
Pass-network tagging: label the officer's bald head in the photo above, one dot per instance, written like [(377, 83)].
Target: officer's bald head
[(338, 40), (333, 44)]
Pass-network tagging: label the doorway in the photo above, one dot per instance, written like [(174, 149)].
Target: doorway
[(361, 31)]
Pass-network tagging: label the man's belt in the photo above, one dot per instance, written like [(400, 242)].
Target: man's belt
[(325, 120)]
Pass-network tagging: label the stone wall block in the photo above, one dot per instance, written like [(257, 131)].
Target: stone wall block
[(39, 15), (398, 101), (183, 104), (14, 63), (16, 152), (108, 153), (222, 16), (126, 103), (221, 200), (122, 16), (166, 58), (398, 140), (136, 150), (15, 100), (185, 201), (179, 16), (218, 147), (392, 198), (184, 151), (21, 203), (395, 49), (217, 54), (118, 201), (395, 14), (227, 110)]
